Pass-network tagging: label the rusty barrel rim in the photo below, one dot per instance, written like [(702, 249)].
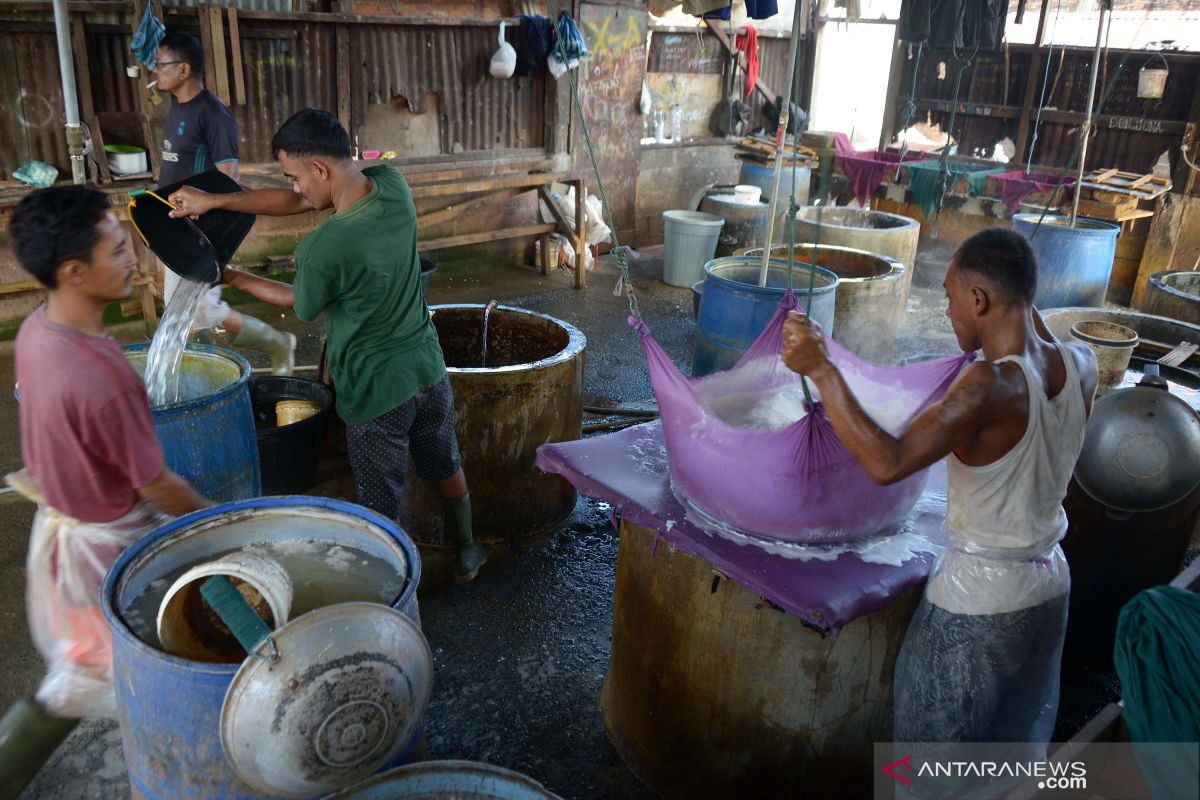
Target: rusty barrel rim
[(576, 341)]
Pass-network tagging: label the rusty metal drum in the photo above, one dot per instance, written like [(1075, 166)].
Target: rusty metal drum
[(713, 692), (531, 393)]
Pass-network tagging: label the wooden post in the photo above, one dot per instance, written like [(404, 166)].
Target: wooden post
[(343, 78), (580, 246), (1031, 87), (545, 254), (1165, 231), (206, 44), (220, 56), (235, 44)]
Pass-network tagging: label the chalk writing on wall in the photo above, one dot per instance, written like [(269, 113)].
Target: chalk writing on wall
[(686, 53), (610, 88)]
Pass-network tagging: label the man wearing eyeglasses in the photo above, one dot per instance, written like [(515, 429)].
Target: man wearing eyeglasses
[(200, 134)]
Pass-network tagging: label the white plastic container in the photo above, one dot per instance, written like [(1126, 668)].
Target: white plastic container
[(691, 242)]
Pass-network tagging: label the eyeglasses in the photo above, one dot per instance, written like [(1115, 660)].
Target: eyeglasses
[(158, 64)]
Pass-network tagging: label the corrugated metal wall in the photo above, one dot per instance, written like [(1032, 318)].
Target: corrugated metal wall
[(478, 112), (1131, 134), (288, 63)]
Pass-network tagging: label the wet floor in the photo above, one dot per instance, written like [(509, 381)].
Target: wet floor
[(519, 654)]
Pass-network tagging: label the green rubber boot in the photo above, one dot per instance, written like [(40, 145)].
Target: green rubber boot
[(279, 346), (28, 737), (457, 515)]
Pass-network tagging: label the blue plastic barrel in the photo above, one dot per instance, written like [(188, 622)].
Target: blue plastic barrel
[(763, 177), (1074, 263), (208, 437), (734, 309), (169, 707)]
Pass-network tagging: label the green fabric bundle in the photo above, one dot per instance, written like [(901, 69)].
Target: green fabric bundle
[(923, 179), (1157, 655)]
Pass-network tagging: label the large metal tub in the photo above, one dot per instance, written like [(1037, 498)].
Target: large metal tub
[(869, 304), (891, 235), (1156, 334), (1175, 295), (532, 395), (712, 692)]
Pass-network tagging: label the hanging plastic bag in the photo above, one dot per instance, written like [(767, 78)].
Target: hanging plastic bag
[(504, 62), (647, 104), (67, 562), (149, 33)]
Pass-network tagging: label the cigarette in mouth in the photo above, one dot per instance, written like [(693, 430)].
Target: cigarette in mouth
[(151, 84)]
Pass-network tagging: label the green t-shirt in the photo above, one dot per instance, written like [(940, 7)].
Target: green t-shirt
[(360, 269)]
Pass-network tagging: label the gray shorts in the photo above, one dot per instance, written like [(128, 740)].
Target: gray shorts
[(423, 427)]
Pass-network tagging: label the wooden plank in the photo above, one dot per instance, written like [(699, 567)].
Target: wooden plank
[(485, 236), (83, 75), (206, 44), (580, 246), (98, 149), (1165, 231), (1103, 176), (220, 57), (235, 44), (1141, 181), (343, 76), (485, 185), (450, 212)]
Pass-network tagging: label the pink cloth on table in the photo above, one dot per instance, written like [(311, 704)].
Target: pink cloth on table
[(866, 169), (1016, 186)]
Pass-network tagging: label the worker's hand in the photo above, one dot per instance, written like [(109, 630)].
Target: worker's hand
[(803, 345), (190, 202)]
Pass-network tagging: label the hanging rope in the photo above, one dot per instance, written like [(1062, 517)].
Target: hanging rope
[(1037, 121), (910, 108), (617, 250)]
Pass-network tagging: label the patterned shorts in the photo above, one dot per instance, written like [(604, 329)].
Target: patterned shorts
[(423, 427)]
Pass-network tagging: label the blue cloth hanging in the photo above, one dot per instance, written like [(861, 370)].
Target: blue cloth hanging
[(573, 46), (149, 33)]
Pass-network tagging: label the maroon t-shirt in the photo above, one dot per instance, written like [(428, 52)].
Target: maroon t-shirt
[(86, 431)]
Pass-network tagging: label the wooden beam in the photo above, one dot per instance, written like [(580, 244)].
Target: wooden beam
[(235, 44), (485, 185), (83, 75), (485, 236), (220, 54), (98, 149), (343, 77), (1165, 231), (759, 85), (450, 212), (206, 44), (580, 246)]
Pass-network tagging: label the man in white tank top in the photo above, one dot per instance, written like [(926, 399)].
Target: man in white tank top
[(981, 659)]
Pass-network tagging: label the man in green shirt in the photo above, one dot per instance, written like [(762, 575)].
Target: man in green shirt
[(360, 269)]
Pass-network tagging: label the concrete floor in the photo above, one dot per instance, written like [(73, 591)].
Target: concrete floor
[(520, 653)]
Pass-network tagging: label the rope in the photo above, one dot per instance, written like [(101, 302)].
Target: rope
[(617, 250), (910, 108), (1037, 121)]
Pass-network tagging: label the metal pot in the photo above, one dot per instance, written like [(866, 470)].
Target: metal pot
[(1139, 453)]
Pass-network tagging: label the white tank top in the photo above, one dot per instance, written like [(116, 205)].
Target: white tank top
[(1015, 503), (1005, 519)]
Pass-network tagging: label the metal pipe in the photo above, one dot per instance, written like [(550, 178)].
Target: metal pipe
[(1105, 10), (785, 113), (66, 66)]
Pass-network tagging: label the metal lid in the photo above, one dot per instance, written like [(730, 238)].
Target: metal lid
[(1139, 452), (327, 700)]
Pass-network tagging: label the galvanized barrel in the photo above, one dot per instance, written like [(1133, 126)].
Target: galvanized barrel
[(745, 223), (170, 708), (870, 296), (891, 235), (1175, 295), (1074, 263), (734, 309), (208, 437)]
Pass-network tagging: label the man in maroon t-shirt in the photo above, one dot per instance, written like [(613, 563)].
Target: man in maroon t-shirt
[(92, 463)]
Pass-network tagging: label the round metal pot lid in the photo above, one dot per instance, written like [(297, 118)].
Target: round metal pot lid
[(1139, 451), (327, 700)]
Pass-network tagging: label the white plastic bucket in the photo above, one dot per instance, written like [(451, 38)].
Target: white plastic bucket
[(262, 581), (1152, 81), (691, 242)]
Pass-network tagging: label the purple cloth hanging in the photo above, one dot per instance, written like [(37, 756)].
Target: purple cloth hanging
[(1016, 186), (866, 169), (798, 484), (629, 470)]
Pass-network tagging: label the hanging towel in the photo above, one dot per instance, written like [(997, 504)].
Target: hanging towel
[(1016, 185), (534, 40), (574, 48), (748, 43), (1157, 655), (761, 9), (149, 33), (923, 180), (866, 169)]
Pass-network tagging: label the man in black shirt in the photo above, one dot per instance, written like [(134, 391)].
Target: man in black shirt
[(200, 134)]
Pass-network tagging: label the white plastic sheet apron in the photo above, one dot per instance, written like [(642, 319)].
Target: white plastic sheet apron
[(67, 562)]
